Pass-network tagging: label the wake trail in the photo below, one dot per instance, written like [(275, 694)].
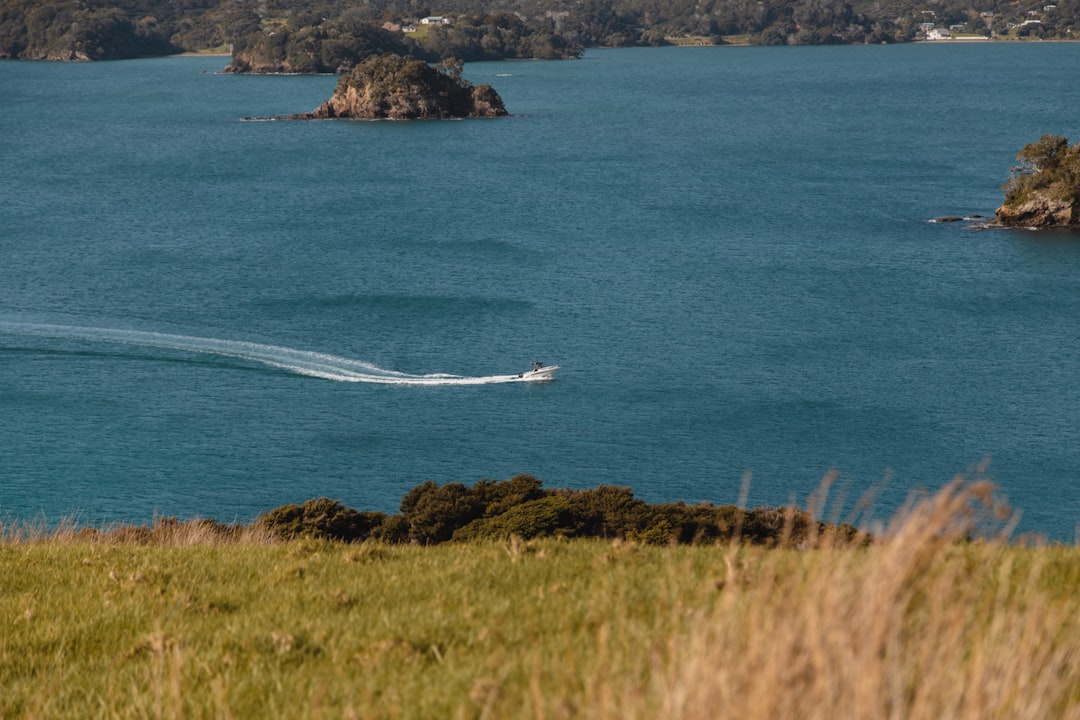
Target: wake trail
[(300, 362)]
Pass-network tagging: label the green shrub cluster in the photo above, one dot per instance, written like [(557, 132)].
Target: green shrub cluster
[(321, 518), (330, 46), (432, 514), (1049, 167), (303, 43), (68, 30)]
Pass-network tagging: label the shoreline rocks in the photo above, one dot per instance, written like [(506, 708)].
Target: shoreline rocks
[(1040, 212)]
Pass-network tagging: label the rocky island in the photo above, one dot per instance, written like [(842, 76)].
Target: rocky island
[(395, 87), (1044, 190)]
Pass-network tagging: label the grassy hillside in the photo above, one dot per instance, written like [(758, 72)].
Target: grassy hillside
[(921, 624)]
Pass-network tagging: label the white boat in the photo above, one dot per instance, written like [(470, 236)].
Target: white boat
[(539, 372)]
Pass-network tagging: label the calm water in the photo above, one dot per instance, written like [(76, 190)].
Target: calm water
[(726, 249)]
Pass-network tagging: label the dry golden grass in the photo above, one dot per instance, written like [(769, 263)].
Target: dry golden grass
[(922, 625), (190, 620), (165, 532)]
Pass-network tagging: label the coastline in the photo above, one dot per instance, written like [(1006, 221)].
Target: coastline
[(738, 41)]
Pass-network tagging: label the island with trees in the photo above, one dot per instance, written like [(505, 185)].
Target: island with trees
[(393, 87), (1044, 189)]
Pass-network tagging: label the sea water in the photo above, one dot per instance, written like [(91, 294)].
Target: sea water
[(727, 250)]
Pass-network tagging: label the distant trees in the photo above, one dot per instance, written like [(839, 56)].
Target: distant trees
[(335, 44), (72, 31), (1049, 166), (108, 33), (331, 46), (520, 507), (333, 35), (320, 518), (496, 36)]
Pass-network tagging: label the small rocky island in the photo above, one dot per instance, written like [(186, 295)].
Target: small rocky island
[(1044, 190), (395, 87)]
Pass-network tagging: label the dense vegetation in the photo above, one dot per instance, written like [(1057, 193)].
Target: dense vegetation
[(179, 620), (1049, 167), (332, 35), (335, 44), (1044, 189), (521, 507), (79, 31)]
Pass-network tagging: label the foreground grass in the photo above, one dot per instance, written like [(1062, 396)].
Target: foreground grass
[(916, 626)]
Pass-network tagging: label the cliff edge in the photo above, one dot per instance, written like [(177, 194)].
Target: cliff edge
[(395, 87), (1044, 189)]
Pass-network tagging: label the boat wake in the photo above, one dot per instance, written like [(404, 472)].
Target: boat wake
[(300, 362)]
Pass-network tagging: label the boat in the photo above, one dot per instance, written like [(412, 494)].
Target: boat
[(539, 372)]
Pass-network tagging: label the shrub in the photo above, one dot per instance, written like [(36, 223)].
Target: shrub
[(434, 512), (776, 525), (394, 529), (1049, 166), (692, 525), (541, 517), (499, 496), (607, 512), (497, 509), (321, 518)]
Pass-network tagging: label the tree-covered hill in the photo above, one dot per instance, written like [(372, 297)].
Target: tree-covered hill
[(1044, 190), (332, 35)]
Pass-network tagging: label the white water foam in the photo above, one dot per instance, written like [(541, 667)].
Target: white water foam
[(301, 362)]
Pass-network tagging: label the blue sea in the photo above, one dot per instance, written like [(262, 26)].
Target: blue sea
[(727, 251)]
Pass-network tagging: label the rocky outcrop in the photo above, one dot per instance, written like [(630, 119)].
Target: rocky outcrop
[(393, 87), (1040, 212), (1044, 190)]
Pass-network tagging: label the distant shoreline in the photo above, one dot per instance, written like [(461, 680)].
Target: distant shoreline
[(962, 40), (196, 53)]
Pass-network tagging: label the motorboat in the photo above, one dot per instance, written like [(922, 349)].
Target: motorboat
[(539, 372)]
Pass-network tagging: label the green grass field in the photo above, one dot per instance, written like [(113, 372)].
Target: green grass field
[(918, 625)]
